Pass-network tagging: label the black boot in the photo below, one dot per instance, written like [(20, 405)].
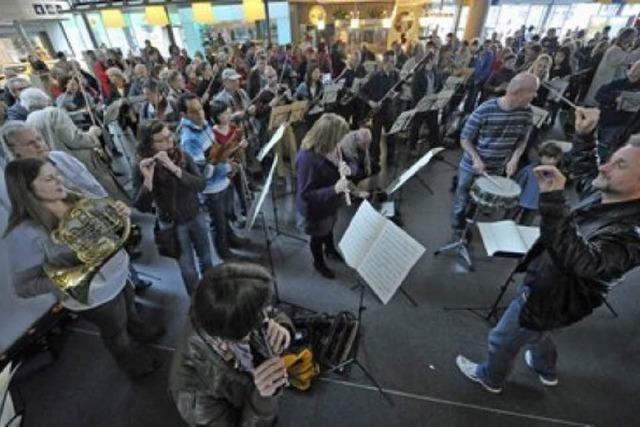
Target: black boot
[(136, 360), (330, 250), (318, 258)]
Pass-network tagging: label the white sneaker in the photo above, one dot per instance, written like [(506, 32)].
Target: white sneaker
[(468, 369), (548, 381)]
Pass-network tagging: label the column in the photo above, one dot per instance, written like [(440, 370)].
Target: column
[(478, 12)]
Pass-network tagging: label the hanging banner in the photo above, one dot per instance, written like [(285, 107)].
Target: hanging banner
[(203, 13), (253, 10), (156, 15), (112, 18)]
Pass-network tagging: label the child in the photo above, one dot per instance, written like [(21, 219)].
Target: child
[(549, 153)]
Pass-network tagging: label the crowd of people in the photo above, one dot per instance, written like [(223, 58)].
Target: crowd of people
[(179, 136)]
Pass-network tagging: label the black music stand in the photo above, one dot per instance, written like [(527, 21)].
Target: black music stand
[(489, 314)]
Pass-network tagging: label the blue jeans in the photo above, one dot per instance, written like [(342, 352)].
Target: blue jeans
[(461, 198), (193, 235), (219, 206), (506, 340)]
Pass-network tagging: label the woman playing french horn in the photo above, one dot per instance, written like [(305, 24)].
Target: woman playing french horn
[(40, 203)]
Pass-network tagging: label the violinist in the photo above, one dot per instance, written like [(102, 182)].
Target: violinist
[(311, 90), (229, 143)]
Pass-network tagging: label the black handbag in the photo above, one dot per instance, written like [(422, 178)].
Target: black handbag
[(167, 241)]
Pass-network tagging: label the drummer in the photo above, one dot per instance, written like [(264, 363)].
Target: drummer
[(493, 139)]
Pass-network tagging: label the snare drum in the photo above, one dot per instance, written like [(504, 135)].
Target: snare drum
[(495, 192)]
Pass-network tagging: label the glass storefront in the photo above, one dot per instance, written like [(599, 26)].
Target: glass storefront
[(187, 34)]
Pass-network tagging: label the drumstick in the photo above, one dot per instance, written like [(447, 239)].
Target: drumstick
[(493, 181)]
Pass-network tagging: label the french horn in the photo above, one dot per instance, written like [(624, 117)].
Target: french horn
[(94, 231)]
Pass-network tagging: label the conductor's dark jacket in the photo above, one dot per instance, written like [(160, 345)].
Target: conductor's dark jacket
[(581, 252)]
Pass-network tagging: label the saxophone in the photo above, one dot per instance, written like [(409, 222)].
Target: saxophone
[(94, 231)]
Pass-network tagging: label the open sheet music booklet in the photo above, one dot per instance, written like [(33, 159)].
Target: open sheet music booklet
[(506, 238), (380, 251)]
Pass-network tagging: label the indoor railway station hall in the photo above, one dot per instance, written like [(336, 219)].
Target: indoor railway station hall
[(319, 213)]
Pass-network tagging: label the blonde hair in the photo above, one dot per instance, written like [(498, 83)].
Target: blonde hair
[(325, 134), (545, 74)]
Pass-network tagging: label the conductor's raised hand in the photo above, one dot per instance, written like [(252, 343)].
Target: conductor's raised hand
[(549, 178), (270, 376), (586, 120)]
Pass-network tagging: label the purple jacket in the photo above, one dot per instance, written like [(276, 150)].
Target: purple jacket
[(316, 199)]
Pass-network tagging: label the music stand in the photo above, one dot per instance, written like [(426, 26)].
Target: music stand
[(342, 368)]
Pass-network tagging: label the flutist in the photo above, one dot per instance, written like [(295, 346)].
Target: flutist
[(322, 183)]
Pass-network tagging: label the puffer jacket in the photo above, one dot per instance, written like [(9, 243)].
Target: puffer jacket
[(210, 392), (581, 252)]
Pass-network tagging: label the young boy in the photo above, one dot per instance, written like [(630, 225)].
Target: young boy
[(227, 370), (549, 153)]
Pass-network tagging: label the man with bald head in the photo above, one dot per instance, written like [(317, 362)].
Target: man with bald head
[(581, 254), (493, 138)]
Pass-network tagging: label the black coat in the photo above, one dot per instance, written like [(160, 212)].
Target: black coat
[(580, 252)]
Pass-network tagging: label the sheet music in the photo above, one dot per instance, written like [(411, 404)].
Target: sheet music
[(330, 92), (277, 136), (297, 111), (257, 204), (388, 209), (453, 81), (443, 98), (539, 115), (559, 86), (279, 115), (414, 169), (389, 261), (364, 228), (629, 101), (426, 102), (507, 238), (402, 122)]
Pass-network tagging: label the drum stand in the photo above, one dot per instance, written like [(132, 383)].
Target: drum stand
[(460, 245)]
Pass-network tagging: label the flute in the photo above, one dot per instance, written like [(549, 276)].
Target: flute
[(347, 194)]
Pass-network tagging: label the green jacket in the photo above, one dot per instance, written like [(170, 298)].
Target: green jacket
[(210, 392)]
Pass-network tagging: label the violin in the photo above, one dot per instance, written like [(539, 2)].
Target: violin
[(220, 153)]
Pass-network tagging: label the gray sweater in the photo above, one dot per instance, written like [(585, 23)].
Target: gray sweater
[(30, 247)]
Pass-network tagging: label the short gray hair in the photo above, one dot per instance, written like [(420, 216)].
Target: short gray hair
[(34, 99), (8, 134), (634, 140), (13, 81)]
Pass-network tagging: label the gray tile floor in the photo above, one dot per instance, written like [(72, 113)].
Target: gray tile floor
[(410, 350)]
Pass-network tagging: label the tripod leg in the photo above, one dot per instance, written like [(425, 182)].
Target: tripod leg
[(608, 305), (373, 381), (267, 242), (408, 297), (493, 313)]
